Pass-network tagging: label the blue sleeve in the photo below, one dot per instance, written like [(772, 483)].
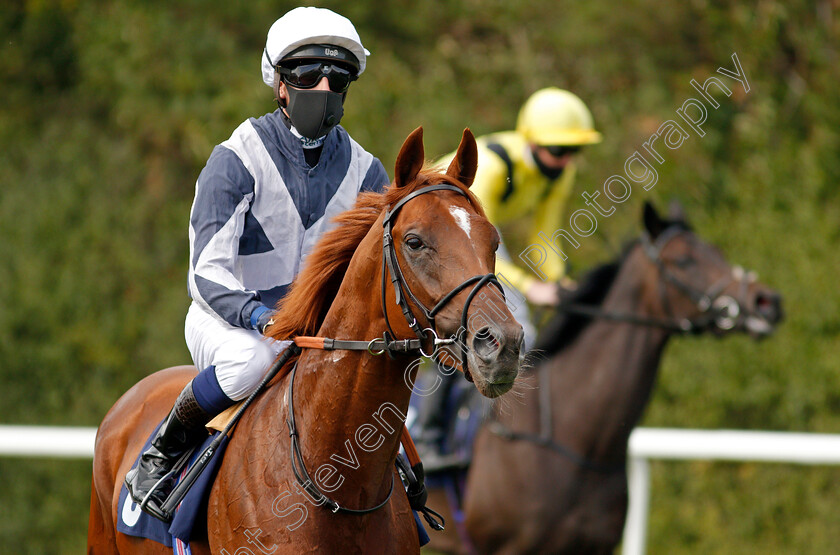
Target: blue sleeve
[(224, 191)]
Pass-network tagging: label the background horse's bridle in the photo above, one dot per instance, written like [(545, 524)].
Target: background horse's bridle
[(716, 309)]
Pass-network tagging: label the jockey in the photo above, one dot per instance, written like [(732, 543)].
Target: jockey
[(524, 180), (263, 199)]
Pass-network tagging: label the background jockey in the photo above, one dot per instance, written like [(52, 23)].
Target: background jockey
[(524, 180), (263, 199)]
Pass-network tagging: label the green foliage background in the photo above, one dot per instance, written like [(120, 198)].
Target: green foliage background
[(108, 111)]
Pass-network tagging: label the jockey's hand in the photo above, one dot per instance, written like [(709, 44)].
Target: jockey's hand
[(265, 320), (566, 287), (543, 294), (568, 284)]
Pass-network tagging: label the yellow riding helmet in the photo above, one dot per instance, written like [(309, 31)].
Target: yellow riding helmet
[(554, 116)]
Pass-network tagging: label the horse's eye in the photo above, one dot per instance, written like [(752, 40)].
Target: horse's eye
[(684, 261), (413, 243)]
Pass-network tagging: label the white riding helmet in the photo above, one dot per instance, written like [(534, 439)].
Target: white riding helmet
[(302, 26)]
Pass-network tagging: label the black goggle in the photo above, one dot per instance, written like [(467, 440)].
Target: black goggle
[(558, 151), (307, 76)]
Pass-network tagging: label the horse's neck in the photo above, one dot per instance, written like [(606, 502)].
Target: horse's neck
[(349, 405), (601, 383)]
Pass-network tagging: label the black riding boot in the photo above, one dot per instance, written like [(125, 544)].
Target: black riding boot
[(433, 423), (182, 429)]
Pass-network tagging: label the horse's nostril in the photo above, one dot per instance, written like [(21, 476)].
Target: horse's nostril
[(485, 342), (483, 333), (769, 305), (486, 335)]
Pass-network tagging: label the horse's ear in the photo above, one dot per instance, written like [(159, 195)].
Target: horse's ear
[(653, 223), (410, 159), (465, 163), (676, 212)]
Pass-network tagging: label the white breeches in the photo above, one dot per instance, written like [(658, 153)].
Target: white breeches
[(241, 356)]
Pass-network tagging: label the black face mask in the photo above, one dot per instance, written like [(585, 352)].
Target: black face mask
[(551, 173), (314, 113)]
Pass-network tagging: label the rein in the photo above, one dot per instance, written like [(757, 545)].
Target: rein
[(677, 326), (302, 475), (717, 310), (412, 468), (544, 439)]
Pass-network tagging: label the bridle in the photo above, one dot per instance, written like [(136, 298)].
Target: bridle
[(388, 344), (403, 292), (717, 311)]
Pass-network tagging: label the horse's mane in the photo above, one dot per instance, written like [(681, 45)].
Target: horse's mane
[(303, 309), (563, 328)]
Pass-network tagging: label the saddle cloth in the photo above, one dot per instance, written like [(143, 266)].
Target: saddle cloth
[(189, 520)]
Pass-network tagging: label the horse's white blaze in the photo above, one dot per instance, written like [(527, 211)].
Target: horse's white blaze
[(462, 218)]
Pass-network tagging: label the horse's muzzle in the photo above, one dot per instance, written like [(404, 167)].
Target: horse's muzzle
[(494, 351), (765, 313)]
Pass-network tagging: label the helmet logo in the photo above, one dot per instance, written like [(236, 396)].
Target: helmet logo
[(330, 52)]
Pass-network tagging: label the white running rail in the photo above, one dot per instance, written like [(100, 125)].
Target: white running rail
[(47, 441), (726, 445), (645, 444)]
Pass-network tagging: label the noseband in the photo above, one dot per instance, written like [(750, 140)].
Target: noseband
[(716, 309), (402, 291)]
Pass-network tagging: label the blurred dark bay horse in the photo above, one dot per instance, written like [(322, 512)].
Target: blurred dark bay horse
[(348, 404), (548, 472)]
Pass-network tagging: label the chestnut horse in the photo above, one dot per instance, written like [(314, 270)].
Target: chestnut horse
[(562, 447), (349, 405)]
